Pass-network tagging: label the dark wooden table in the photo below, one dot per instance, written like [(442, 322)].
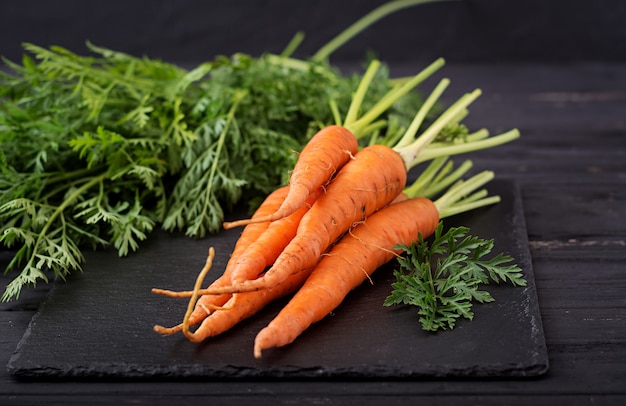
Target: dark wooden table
[(571, 165)]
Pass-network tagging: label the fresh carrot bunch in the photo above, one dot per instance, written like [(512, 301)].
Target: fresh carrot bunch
[(344, 213)]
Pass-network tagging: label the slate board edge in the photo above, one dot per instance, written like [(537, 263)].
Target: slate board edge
[(12, 366), (541, 362), (231, 372)]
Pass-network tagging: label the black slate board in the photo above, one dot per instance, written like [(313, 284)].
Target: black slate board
[(99, 323)]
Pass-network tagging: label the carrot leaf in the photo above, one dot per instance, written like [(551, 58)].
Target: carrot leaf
[(443, 277)]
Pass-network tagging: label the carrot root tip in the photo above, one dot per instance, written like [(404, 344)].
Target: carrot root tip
[(165, 292), (166, 331)]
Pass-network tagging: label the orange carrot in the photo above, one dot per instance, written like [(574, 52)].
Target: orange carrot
[(363, 250), (346, 266), (249, 259), (355, 193), (249, 234), (321, 158), (267, 247), (247, 304)]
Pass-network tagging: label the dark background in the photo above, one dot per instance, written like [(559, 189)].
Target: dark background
[(555, 68), (190, 31)]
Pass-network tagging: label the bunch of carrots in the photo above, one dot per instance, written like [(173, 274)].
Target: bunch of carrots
[(346, 210)]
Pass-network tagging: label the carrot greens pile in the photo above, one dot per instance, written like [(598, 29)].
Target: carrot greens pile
[(101, 149)]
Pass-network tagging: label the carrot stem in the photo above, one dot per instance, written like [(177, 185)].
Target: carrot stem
[(359, 95), (393, 132), (410, 151), (462, 208), (293, 44), (462, 148), (334, 109), (422, 112), (426, 177), (437, 177), (375, 127), (361, 24), (440, 183), (457, 199), (394, 95)]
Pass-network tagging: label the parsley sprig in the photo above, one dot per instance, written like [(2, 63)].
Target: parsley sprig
[(443, 277)]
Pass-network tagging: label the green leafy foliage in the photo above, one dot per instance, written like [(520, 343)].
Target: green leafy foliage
[(100, 149), (443, 278)]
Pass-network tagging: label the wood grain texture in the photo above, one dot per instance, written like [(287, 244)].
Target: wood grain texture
[(571, 165)]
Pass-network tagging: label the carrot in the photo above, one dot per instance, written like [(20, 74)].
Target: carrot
[(262, 252), (359, 253), (346, 266), (333, 146), (247, 304), (355, 193), (249, 234), (267, 247), (322, 156), (252, 255)]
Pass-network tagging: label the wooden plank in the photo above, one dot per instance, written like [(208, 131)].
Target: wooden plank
[(577, 216)]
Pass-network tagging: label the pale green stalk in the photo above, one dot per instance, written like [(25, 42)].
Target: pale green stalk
[(375, 127), (443, 149), (454, 201), (394, 95), (293, 44), (410, 152), (460, 196), (435, 182), (363, 23), (359, 95), (334, 109), (418, 187), (423, 112)]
